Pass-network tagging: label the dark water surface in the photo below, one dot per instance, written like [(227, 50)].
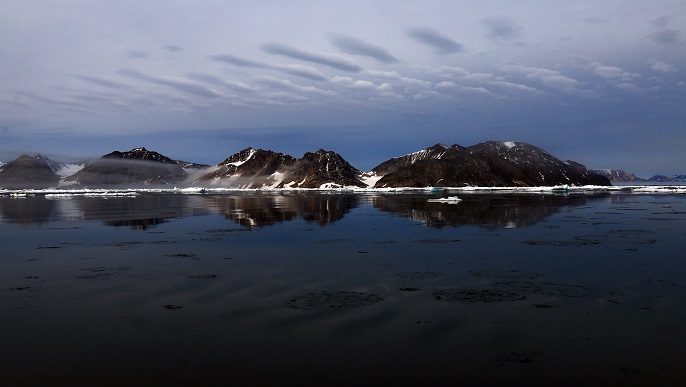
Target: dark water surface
[(319, 288)]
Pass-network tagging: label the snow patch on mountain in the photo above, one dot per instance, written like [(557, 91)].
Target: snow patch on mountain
[(243, 161), (369, 178), (68, 169)]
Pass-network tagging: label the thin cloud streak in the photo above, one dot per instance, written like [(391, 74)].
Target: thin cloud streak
[(293, 69), (354, 46), (175, 83), (435, 39), (331, 60)]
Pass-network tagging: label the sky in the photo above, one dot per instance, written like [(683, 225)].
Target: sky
[(599, 82)]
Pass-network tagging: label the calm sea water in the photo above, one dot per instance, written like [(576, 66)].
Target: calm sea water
[(342, 288)]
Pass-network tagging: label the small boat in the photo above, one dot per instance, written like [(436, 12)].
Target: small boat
[(449, 199)]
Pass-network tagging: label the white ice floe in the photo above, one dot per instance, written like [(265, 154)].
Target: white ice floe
[(214, 190), (86, 193), (448, 200)]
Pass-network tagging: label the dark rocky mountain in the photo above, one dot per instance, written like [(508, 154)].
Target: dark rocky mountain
[(492, 163), (34, 172), (138, 166), (146, 155), (257, 168), (618, 175), (250, 168), (438, 151), (324, 167), (673, 178)]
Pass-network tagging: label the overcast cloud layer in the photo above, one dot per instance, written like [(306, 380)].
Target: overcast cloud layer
[(600, 82)]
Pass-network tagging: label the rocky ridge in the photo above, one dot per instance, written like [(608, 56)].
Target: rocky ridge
[(617, 175), (492, 163), (257, 168)]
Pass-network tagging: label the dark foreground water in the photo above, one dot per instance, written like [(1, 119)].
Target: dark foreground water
[(351, 289)]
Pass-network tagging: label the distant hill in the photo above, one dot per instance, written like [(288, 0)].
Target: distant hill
[(673, 178), (617, 175), (138, 166), (491, 163), (34, 172)]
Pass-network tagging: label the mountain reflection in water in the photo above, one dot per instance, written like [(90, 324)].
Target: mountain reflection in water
[(343, 288), (264, 209)]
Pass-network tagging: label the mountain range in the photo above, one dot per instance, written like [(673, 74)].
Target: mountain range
[(492, 163), (617, 175)]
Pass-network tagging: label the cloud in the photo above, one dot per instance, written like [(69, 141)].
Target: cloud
[(55, 102), (293, 69), (550, 78), (236, 86), (331, 60), (662, 67), (182, 85), (102, 82), (628, 86), (660, 22), (596, 20), (500, 29), (665, 37), (436, 40), (450, 85), (284, 84), (173, 48), (614, 72), (302, 71), (355, 46), (361, 84), (236, 61), (134, 54)]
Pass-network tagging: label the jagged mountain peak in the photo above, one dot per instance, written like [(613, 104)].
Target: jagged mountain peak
[(54, 165), (139, 154), (256, 168)]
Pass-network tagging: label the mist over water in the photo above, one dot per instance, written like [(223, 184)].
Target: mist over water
[(311, 287)]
